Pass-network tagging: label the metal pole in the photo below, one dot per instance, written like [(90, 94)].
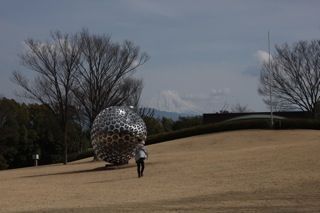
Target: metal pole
[(35, 157), (270, 82)]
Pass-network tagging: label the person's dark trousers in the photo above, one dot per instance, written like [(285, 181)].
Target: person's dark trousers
[(140, 166)]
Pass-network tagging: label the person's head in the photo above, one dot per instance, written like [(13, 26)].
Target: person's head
[(140, 146)]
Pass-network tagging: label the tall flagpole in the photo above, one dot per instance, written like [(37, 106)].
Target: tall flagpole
[(270, 81)]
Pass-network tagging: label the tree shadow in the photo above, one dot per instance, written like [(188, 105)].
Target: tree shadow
[(107, 167)]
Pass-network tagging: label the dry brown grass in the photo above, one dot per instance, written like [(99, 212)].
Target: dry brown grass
[(241, 171)]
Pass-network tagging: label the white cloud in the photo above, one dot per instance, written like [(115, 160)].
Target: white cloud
[(134, 63), (172, 101), (211, 101), (262, 56), (219, 92)]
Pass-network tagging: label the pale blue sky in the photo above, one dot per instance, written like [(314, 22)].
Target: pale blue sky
[(204, 53)]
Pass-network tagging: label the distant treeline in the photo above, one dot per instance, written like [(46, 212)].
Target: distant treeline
[(164, 125), (232, 125), (27, 129)]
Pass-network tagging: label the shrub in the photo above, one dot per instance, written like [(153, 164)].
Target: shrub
[(298, 124), (3, 163), (79, 156)]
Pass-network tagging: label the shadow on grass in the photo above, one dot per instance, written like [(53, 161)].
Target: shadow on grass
[(107, 167)]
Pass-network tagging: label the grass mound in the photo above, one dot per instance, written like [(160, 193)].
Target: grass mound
[(238, 171)]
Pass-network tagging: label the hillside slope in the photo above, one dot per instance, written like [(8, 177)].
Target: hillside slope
[(240, 171)]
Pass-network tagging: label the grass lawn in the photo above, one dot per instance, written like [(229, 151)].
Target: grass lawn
[(238, 171)]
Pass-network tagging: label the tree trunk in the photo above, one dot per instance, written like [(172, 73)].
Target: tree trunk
[(65, 138)]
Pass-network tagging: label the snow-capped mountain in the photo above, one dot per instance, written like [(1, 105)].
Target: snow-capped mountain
[(172, 115), (171, 101)]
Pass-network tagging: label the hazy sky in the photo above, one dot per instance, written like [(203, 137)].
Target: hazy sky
[(204, 53)]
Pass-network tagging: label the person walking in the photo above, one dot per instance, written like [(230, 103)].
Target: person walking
[(140, 155)]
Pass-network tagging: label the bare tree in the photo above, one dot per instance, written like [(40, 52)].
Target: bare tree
[(240, 108), (293, 74), (130, 92), (55, 64), (145, 112), (224, 109), (3, 116), (105, 74)]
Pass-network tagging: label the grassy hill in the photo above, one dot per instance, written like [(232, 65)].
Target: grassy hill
[(239, 171)]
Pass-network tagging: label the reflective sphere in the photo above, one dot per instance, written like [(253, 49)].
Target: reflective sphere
[(115, 133)]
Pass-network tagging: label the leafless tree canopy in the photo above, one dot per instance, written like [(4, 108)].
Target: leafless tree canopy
[(238, 108), (130, 92), (81, 71), (294, 76), (105, 74), (145, 112), (55, 63)]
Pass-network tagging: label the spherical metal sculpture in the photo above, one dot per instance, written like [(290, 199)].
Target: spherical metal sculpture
[(115, 133)]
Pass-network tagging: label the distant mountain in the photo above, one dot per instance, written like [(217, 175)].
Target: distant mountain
[(170, 101), (173, 115)]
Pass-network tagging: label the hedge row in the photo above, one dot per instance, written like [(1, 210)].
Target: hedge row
[(220, 127), (79, 156), (298, 124), (235, 125)]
